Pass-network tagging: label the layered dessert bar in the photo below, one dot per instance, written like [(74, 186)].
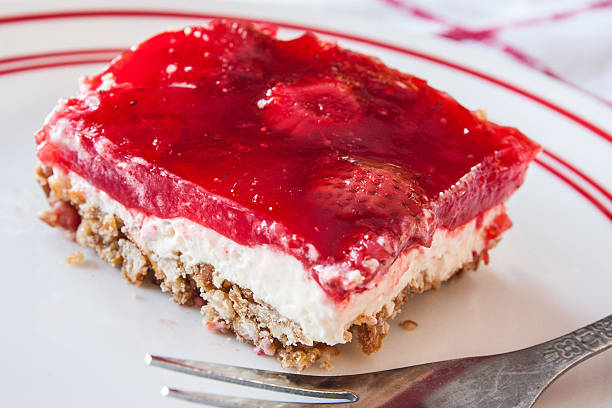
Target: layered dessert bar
[(296, 191)]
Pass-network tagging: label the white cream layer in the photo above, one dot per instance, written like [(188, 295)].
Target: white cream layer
[(280, 280)]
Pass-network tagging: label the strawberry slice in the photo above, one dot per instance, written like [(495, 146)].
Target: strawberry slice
[(356, 188), (384, 200), (300, 110)]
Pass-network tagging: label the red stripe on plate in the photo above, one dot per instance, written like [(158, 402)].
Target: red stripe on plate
[(54, 65), (58, 54), (579, 173), (106, 13), (576, 187), (180, 14)]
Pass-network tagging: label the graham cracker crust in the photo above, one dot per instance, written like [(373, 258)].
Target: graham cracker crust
[(226, 306)]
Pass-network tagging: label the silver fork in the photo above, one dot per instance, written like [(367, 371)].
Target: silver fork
[(514, 379)]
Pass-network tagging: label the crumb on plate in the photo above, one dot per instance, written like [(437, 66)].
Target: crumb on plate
[(75, 259), (409, 324)]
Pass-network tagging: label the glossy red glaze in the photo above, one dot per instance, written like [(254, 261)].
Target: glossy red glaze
[(298, 144)]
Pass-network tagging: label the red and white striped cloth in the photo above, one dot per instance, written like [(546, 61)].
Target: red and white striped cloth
[(567, 39)]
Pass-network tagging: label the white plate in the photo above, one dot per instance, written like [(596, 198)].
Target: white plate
[(76, 336)]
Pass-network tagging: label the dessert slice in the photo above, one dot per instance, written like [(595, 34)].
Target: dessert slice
[(294, 190)]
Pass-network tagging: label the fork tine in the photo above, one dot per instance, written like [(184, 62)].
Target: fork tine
[(306, 385), (226, 401)]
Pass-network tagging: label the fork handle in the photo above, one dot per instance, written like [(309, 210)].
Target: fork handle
[(564, 352), (515, 379)]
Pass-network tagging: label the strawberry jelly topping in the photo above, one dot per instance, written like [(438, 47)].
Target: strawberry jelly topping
[(323, 153)]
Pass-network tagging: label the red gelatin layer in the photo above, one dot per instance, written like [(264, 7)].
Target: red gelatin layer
[(318, 151)]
